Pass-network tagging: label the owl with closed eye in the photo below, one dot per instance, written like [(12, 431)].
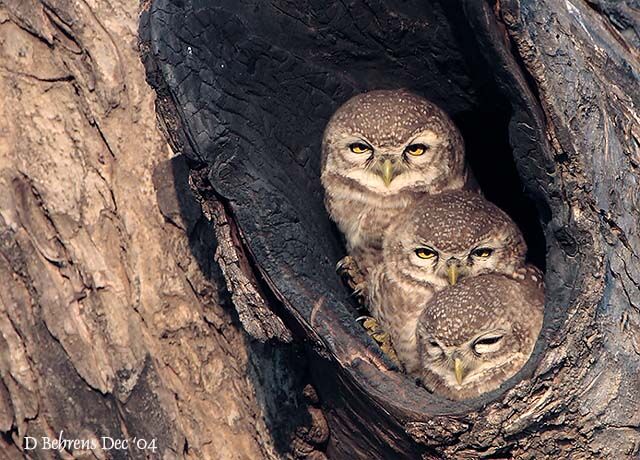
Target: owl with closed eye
[(430, 246), (479, 333), (381, 151)]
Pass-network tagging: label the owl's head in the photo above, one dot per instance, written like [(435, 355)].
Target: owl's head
[(391, 140), (479, 333), (453, 235)]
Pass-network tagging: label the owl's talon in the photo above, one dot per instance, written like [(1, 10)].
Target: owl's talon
[(377, 333), (348, 269), (346, 264), (359, 289)]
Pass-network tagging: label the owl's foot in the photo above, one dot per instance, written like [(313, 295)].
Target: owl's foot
[(349, 271), (382, 338)]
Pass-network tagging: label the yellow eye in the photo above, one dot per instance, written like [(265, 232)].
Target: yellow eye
[(416, 149), (482, 252), (359, 148), (426, 253)]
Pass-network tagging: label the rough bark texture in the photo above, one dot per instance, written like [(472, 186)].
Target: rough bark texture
[(115, 319), (112, 318), (245, 90)]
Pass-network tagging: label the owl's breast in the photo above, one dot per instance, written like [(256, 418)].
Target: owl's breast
[(363, 217), (397, 304)]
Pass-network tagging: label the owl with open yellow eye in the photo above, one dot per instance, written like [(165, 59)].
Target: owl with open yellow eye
[(383, 150), (431, 245)]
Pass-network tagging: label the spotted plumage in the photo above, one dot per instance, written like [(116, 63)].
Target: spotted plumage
[(440, 239), (478, 333), (381, 151)]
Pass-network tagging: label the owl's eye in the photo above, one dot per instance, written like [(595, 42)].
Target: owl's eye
[(488, 343), (416, 149), (433, 349), (426, 253), (483, 253), (360, 148)]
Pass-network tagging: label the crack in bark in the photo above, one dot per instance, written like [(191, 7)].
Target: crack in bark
[(63, 78)]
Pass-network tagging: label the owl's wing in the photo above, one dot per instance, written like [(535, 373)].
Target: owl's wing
[(531, 281), (471, 183), (532, 276), (376, 281), (323, 154)]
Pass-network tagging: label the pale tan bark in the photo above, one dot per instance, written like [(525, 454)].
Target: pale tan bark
[(106, 317)]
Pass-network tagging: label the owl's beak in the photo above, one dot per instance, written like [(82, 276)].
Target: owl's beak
[(387, 171), (458, 369), (452, 272)]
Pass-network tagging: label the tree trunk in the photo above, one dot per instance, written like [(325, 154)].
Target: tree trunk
[(190, 302), (113, 320)]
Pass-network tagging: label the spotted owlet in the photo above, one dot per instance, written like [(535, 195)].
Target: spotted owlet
[(480, 332), (381, 151), (441, 238)]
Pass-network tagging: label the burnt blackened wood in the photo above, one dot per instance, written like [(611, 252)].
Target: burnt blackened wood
[(586, 76), (249, 87)]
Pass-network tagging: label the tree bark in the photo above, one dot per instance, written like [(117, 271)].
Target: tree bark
[(191, 300), (114, 321)]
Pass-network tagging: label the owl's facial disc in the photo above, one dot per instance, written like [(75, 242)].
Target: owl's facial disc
[(386, 165), (389, 166), (418, 261), (467, 362), (482, 258)]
